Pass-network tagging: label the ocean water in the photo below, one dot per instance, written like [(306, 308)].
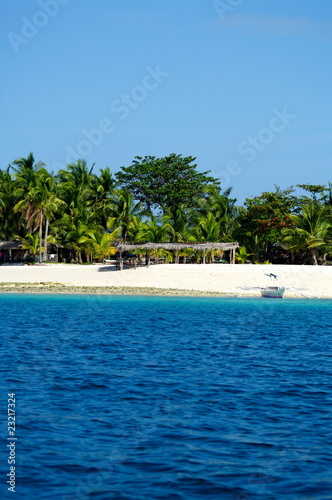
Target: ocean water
[(143, 398)]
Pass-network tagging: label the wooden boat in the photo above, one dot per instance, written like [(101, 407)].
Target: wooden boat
[(272, 292)]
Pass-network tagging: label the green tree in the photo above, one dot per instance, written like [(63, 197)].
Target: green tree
[(48, 203), (313, 189), (25, 170), (135, 228), (224, 210), (71, 233), (265, 218), (217, 202), (124, 211), (180, 222), (207, 228), (25, 182), (9, 221), (99, 243), (327, 198), (75, 187), (41, 204), (31, 243), (310, 232), (242, 256), (30, 193), (100, 196), (164, 183), (155, 230)]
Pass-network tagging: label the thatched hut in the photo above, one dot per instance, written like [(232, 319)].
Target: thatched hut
[(13, 251), (204, 247), (10, 251)]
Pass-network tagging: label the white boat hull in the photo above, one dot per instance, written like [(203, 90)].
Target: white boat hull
[(272, 292)]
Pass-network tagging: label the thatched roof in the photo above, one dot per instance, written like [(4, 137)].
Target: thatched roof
[(10, 245), (122, 247)]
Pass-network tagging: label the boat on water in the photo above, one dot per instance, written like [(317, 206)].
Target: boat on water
[(272, 291)]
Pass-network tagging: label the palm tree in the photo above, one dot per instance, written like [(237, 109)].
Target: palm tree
[(242, 255), (124, 211), (28, 186), (25, 171), (156, 230), (48, 202), (99, 243), (100, 197), (135, 228), (217, 202), (75, 189), (327, 198), (224, 210), (9, 221), (25, 181), (30, 243), (229, 223), (251, 242), (207, 229), (72, 233), (181, 222), (311, 230), (41, 204)]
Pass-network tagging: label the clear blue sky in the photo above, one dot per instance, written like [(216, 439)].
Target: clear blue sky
[(243, 86)]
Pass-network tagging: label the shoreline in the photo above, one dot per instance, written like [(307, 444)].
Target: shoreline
[(97, 290), (219, 280), (60, 289)]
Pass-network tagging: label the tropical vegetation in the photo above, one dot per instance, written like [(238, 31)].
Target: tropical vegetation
[(84, 213)]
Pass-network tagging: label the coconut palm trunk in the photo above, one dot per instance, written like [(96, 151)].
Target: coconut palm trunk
[(45, 240), (40, 238), (313, 256)]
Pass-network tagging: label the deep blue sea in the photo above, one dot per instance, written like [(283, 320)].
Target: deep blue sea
[(143, 398)]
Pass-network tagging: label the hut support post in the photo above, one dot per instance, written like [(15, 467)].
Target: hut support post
[(203, 256), (147, 258)]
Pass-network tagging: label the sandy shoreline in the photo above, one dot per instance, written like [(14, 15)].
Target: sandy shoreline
[(166, 279)]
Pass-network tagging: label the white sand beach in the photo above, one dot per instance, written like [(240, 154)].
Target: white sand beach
[(224, 279)]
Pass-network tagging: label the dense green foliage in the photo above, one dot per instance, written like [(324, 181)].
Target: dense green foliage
[(165, 182), (158, 200)]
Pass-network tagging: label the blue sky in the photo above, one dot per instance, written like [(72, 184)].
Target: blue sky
[(242, 85)]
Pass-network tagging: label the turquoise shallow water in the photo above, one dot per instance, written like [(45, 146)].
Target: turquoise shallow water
[(168, 398)]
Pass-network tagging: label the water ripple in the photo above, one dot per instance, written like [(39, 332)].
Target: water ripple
[(140, 398)]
